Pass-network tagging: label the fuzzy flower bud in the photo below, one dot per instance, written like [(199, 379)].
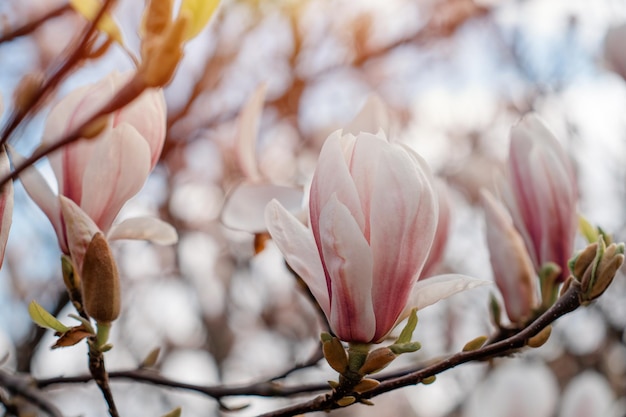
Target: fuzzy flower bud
[(100, 281), (594, 275)]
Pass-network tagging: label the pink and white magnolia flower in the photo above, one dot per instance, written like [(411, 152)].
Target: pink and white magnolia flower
[(373, 219), (100, 174), (542, 193)]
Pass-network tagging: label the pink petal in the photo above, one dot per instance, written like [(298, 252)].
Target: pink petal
[(40, 192), (144, 228), (512, 267), (80, 229), (147, 114), (116, 172), (6, 203), (403, 221), (332, 176), (244, 207), (348, 260), (248, 132), (543, 183), (299, 249), (441, 234), (68, 114)]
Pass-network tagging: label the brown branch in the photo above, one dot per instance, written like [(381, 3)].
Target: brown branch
[(33, 25), (21, 386), (74, 58), (100, 375), (260, 389), (567, 303)]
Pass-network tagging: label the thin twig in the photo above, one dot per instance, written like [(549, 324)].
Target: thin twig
[(100, 375), (260, 389), (33, 25), (74, 57), (21, 386)]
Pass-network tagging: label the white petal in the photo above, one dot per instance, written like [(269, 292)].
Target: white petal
[(299, 249), (431, 290), (244, 208), (248, 132), (144, 228), (80, 229), (38, 189), (372, 118)]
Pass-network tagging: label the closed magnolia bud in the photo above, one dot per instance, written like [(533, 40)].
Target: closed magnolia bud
[(100, 281), (579, 264), (377, 360), (599, 273)]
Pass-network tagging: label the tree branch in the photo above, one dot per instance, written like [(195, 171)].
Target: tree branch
[(21, 386)]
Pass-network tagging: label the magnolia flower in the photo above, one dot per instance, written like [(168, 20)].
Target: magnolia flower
[(513, 269), (100, 174), (541, 194), (373, 219)]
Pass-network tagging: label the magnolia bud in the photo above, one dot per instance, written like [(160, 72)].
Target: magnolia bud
[(377, 360), (595, 275), (100, 281)]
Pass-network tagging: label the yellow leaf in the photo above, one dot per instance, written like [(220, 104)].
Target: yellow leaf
[(200, 12), (44, 319), (89, 9)]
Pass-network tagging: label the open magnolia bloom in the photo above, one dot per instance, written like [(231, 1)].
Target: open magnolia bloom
[(541, 194), (100, 174), (373, 220)]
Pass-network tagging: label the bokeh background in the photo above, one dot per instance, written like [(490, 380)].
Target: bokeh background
[(455, 75)]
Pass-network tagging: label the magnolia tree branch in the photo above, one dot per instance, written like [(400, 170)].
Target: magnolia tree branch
[(34, 24), (74, 57), (568, 302), (21, 386)]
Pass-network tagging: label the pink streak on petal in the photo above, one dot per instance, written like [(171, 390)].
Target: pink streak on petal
[(403, 218), (349, 261), (117, 172)]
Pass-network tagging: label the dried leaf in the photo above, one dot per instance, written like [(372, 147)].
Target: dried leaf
[(72, 337)]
